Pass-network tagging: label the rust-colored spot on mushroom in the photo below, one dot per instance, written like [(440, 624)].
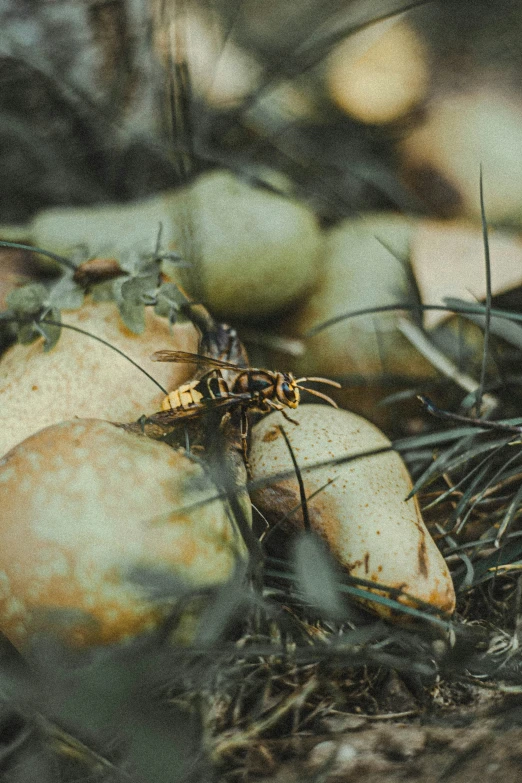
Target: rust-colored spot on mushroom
[(366, 562), (353, 566), (270, 435), (442, 599), (34, 387), (422, 556)]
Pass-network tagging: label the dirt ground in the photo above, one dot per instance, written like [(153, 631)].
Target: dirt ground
[(483, 743), (480, 740)]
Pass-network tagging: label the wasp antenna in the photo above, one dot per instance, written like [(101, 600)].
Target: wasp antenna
[(321, 380), (319, 394)]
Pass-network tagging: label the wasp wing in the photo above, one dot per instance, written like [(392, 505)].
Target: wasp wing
[(184, 357), (205, 406)]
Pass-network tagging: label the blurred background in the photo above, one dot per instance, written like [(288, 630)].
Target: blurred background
[(115, 99), (370, 119)]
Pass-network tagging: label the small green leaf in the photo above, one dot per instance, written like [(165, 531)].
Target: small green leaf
[(27, 333), (165, 310), (133, 316), (50, 332), (139, 265), (169, 299), (66, 294), (134, 289), (28, 299)]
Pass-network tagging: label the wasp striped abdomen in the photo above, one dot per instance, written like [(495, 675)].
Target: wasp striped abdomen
[(196, 393)]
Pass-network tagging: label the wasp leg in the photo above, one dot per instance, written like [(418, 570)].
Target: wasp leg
[(244, 439), (276, 406)]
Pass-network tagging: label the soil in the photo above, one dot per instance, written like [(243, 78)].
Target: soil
[(459, 746)]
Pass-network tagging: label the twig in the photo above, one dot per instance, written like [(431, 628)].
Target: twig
[(239, 739)]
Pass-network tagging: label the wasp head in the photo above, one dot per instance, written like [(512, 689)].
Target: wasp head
[(287, 392)]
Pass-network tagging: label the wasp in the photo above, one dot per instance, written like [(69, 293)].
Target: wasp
[(248, 388)]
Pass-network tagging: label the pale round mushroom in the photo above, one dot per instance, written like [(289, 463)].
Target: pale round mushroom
[(85, 506), (380, 73), (104, 230), (253, 251), (81, 377), (365, 265), (462, 134), (363, 516)]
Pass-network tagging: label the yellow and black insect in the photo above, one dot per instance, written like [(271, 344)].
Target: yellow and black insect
[(248, 388)]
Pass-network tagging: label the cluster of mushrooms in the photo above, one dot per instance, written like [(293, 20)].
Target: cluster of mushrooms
[(88, 504)]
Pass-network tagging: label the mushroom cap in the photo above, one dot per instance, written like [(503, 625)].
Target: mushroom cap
[(379, 74), (85, 505), (362, 268), (371, 529), (252, 251), (81, 377), (462, 134)]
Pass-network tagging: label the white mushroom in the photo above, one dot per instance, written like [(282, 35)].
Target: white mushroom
[(253, 251), (364, 267), (379, 74), (361, 511), (81, 377), (84, 506), (462, 134)]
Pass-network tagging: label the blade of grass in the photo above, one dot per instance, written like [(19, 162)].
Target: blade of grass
[(373, 597), (59, 259), (491, 482), (419, 340), (466, 495), (460, 308), (509, 516), (455, 487), (474, 422), (487, 323), (302, 493), (315, 576), (435, 469)]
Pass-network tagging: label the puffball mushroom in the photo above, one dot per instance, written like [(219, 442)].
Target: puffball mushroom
[(364, 266), (463, 133), (81, 377), (363, 516), (380, 73), (252, 251), (84, 505)]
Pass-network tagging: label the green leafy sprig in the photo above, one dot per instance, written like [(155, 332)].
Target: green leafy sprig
[(140, 285)]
